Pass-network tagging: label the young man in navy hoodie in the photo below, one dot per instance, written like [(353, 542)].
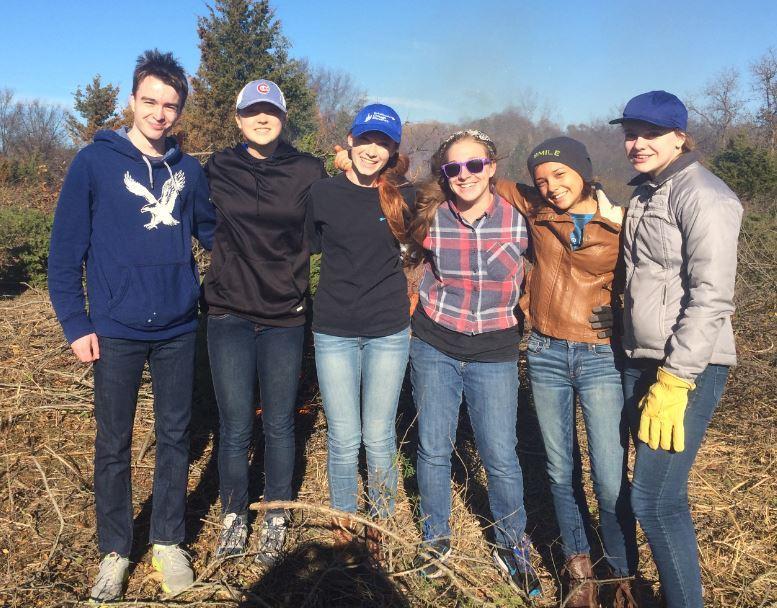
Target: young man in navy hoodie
[(128, 208)]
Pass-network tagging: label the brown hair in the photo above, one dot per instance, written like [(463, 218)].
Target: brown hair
[(165, 67), (392, 203), (689, 143), (436, 190)]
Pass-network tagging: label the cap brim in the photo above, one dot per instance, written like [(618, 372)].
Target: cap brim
[(362, 129), (258, 101), (618, 121)]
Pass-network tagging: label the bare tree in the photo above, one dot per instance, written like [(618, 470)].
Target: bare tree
[(338, 99), (721, 107), (41, 130), (764, 72), (9, 120)]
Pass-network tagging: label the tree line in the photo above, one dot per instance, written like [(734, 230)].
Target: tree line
[(733, 118)]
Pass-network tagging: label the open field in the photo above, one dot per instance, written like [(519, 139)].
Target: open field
[(47, 540)]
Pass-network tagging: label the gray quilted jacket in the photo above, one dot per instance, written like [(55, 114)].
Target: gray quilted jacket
[(680, 250)]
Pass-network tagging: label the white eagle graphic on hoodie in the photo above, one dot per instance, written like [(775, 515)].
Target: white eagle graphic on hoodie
[(161, 210)]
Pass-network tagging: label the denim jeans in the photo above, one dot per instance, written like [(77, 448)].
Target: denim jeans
[(241, 352), (559, 370), (360, 381), (491, 393), (660, 485), (117, 376)]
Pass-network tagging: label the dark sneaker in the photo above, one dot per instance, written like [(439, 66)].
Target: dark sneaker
[(233, 535), (430, 556), (111, 579), (514, 564), (271, 540)]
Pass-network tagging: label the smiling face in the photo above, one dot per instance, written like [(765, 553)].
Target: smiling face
[(650, 148), (261, 125), (560, 185), (469, 188), (370, 153), (156, 108)]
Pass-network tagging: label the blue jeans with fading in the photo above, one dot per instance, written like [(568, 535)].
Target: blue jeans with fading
[(659, 494), (560, 370), (360, 380), (117, 377), (242, 353), (491, 393)]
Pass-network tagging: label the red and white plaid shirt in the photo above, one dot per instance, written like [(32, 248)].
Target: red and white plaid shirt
[(473, 280)]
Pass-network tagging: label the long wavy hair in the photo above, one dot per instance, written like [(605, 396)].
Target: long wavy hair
[(392, 203), (436, 190)]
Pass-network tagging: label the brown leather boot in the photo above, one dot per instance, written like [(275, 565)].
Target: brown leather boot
[(373, 539), (581, 585), (625, 595), (343, 531)]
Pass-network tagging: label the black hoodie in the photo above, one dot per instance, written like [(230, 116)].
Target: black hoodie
[(260, 264)]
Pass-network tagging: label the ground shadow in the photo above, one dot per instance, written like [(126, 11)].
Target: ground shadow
[(316, 575)]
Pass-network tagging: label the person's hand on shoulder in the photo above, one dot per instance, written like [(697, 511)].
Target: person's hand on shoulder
[(342, 159)]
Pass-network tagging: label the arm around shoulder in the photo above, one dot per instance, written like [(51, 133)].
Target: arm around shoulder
[(520, 196)]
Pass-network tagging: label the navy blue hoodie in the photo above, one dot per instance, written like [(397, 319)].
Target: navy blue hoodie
[(130, 218)]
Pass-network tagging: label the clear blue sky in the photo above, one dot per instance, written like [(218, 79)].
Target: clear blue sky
[(431, 59)]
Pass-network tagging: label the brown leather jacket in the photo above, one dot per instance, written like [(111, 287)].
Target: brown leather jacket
[(564, 285)]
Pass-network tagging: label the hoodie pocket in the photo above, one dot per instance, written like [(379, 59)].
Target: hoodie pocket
[(154, 297), (256, 287)]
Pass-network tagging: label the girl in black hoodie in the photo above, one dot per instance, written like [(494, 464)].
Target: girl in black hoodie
[(256, 308)]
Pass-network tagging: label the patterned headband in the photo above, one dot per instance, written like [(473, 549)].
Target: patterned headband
[(474, 134)]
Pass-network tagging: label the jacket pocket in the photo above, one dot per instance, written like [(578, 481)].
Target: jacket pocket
[(154, 297), (256, 287), (503, 260)]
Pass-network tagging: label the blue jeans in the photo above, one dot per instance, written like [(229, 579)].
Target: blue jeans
[(241, 352), (117, 376), (660, 485), (360, 381), (559, 370), (491, 393)]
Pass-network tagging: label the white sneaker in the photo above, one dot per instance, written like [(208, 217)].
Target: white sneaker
[(111, 579), (175, 566)]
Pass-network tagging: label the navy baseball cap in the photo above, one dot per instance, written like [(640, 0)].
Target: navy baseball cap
[(258, 91), (658, 108), (377, 117)]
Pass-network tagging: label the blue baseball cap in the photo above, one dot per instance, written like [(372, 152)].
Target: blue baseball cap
[(377, 117), (658, 108), (258, 91)]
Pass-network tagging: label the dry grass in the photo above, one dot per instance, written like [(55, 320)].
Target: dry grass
[(47, 540)]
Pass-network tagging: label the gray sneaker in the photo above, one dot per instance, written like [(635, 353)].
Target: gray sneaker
[(232, 539), (271, 540), (111, 579), (175, 566)]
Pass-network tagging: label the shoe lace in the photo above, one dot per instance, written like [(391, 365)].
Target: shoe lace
[(273, 535), (174, 558), (110, 568), (233, 531)]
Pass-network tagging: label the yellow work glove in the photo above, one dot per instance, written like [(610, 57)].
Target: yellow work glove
[(663, 410)]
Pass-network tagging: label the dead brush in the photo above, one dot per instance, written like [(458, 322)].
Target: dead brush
[(47, 538)]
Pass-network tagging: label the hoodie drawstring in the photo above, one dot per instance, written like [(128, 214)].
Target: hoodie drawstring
[(151, 173)]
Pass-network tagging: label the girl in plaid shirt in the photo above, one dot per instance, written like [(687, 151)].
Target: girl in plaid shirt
[(465, 344)]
